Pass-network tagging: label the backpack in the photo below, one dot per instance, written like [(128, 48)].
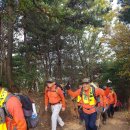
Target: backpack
[(59, 86), (56, 89), (28, 107), (2, 120)]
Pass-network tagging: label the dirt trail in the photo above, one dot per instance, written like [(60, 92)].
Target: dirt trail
[(118, 122)]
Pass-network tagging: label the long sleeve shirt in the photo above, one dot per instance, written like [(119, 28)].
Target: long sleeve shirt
[(18, 122), (54, 95)]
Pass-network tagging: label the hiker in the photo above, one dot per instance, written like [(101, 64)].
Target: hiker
[(112, 97), (118, 105), (14, 108), (54, 96), (104, 113), (89, 95)]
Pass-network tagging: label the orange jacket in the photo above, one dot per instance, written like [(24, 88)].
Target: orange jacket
[(18, 122), (54, 95), (112, 97), (102, 99), (107, 101), (79, 103), (89, 109), (107, 91)]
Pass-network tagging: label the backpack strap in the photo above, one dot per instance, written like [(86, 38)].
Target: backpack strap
[(93, 91), (56, 89), (5, 106), (97, 98), (81, 92)]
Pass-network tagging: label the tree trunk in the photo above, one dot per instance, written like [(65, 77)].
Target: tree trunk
[(59, 67), (10, 44)]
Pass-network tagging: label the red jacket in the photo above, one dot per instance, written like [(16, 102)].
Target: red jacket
[(18, 122)]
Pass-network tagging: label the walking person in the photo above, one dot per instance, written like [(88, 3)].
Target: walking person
[(55, 97), (104, 113), (14, 107), (112, 102), (88, 95)]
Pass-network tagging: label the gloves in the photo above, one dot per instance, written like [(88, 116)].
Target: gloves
[(68, 86)]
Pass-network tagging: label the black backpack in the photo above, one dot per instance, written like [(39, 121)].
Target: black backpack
[(31, 120)]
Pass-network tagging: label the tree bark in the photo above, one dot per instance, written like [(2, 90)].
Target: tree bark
[(59, 64), (10, 44)]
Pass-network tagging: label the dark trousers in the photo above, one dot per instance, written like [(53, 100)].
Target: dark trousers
[(81, 114), (110, 110), (90, 121), (104, 116)]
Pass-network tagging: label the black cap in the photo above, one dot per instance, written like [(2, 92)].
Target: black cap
[(104, 87), (50, 80)]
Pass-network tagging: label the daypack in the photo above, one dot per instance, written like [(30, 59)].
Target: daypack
[(63, 89), (29, 111), (2, 120)]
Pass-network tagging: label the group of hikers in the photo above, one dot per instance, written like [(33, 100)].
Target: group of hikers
[(17, 112), (93, 102)]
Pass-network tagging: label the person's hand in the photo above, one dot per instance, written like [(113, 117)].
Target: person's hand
[(68, 86), (63, 109), (46, 108)]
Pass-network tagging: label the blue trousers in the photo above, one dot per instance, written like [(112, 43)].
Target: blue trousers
[(90, 121), (110, 110)]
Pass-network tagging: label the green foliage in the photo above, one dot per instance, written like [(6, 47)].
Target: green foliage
[(52, 31), (125, 12)]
